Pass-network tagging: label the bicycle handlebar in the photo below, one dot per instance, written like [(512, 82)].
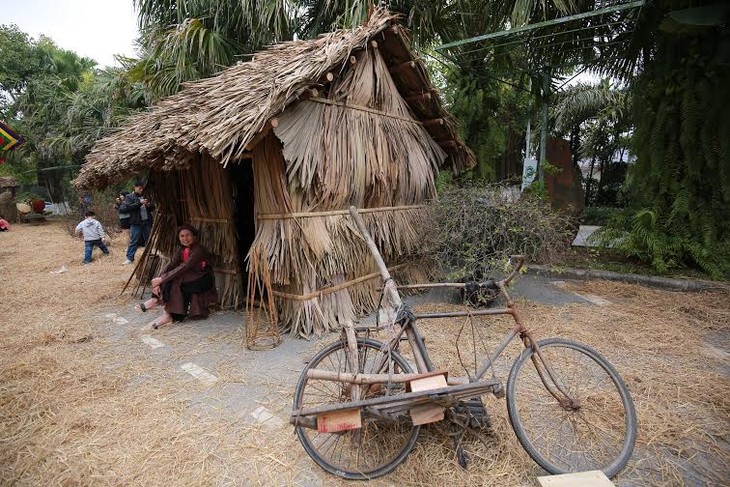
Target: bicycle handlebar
[(521, 259), (386, 275)]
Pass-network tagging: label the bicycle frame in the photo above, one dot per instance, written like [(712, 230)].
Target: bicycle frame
[(420, 353)]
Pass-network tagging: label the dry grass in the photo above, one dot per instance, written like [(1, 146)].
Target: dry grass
[(83, 401)]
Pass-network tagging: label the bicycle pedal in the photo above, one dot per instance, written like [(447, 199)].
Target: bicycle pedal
[(498, 390)]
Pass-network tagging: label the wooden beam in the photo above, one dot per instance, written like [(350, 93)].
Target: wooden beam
[(374, 44), (451, 144), (270, 124), (419, 97), (326, 78), (353, 60), (434, 122), (335, 376), (411, 64)]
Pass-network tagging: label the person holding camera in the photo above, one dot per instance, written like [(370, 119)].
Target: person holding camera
[(123, 217), (140, 210)]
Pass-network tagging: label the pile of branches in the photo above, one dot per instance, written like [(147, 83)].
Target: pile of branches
[(477, 228)]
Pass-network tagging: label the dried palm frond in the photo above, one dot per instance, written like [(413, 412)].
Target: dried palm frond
[(220, 116)]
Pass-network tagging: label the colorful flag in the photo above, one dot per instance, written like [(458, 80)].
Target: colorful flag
[(9, 140)]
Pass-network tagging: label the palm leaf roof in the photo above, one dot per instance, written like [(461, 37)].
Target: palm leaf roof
[(221, 115)]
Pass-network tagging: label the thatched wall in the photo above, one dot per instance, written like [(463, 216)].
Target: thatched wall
[(358, 145), (201, 196)]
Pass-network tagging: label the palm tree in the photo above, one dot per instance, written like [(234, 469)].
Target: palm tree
[(183, 41)]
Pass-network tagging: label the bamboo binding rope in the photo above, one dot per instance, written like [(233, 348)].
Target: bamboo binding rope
[(364, 109), (311, 214)]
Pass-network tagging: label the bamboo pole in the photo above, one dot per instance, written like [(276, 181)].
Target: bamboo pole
[(331, 375)]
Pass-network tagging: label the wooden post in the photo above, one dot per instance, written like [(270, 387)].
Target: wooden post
[(352, 357)]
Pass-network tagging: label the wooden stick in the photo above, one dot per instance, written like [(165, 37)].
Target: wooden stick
[(389, 284), (274, 122), (352, 356), (419, 97), (373, 378), (451, 144), (448, 395)]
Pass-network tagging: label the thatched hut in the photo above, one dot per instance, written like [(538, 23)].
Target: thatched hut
[(267, 156)]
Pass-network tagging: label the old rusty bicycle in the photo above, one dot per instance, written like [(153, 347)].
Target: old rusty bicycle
[(358, 405)]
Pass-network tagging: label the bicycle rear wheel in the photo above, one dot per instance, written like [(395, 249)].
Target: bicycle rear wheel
[(597, 434), (381, 444)]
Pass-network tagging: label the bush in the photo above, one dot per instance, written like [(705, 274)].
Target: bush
[(476, 228), (101, 203)]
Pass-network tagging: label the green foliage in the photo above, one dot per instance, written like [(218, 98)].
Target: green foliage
[(643, 235), (19, 61), (477, 227), (491, 115), (596, 120), (680, 185), (599, 215), (184, 41)]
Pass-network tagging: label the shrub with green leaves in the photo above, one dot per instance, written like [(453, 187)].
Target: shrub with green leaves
[(476, 228)]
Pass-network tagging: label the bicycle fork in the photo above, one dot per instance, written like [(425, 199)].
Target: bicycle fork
[(548, 377)]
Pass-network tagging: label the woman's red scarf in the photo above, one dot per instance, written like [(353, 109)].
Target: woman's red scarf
[(186, 256)]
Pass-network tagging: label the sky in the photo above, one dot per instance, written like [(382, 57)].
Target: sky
[(97, 29)]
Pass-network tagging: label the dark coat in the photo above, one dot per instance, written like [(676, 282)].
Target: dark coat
[(178, 272), (132, 205)]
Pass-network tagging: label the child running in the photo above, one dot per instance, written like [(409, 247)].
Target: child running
[(93, 234)]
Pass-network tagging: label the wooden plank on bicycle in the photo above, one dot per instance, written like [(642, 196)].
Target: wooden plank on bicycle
[(335, 421), (427, 413)]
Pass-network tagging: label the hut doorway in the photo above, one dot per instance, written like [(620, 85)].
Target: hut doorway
[(243, 211)]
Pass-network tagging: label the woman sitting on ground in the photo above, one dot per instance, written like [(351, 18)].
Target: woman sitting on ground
[(186, 286)]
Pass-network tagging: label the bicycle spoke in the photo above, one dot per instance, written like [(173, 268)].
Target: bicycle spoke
[(588, 437), (378, 443)]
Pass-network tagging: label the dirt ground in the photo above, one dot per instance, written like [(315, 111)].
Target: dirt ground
[(89, 397)]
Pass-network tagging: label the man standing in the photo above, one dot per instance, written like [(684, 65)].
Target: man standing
[(140, 219)]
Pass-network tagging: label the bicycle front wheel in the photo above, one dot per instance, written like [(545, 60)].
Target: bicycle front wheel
[(382, 443), (597, 432)]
